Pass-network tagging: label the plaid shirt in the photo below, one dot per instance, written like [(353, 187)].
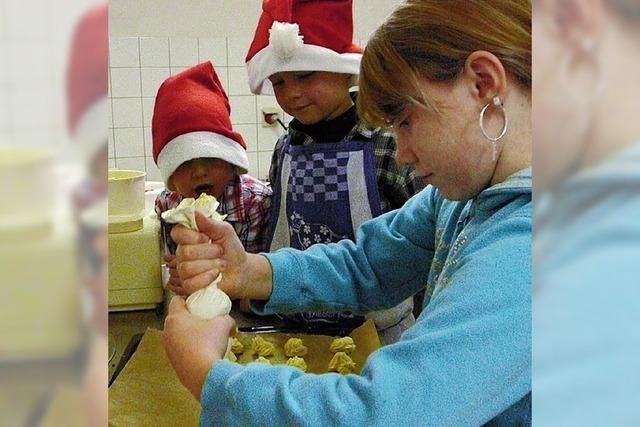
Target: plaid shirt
[(246, 201), (396, 184)]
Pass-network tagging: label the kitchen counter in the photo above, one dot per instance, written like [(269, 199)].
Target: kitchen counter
[(124, 326)]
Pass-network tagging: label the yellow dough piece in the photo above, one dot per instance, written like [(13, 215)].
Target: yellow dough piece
[(344, 344), (236, 346), (294, 347), (297, 362), (261, 347), (341, 362), (263, 360)]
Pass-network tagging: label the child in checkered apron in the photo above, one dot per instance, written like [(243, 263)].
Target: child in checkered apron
[(197, 152), (329, 172)]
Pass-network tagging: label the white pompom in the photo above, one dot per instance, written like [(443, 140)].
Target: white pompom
[(285, 39)]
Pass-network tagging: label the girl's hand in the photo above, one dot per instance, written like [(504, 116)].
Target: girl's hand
[(202, 255), (193, 345)]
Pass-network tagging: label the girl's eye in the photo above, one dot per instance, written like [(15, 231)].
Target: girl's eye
[(402, 122)]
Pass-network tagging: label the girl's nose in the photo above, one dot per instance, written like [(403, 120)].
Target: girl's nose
[(404, 155)]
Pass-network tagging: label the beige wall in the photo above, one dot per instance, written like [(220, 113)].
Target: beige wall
[(215, 18)]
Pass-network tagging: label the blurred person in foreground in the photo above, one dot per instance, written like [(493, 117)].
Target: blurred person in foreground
[(87, 107), (453, 80), (87, 111), (587, 210)]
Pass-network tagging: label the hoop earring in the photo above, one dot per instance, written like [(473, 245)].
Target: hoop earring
[(497, 102)]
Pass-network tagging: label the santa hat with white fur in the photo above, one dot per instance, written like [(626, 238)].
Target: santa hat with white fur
[(302, 35), (191, 119)]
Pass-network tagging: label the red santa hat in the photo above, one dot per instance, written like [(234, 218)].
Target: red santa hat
[(191, 120), (302, 35), (87, 103)]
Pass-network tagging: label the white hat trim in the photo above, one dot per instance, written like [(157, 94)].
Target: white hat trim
[(90, 134), (199, 144), (307, 58)]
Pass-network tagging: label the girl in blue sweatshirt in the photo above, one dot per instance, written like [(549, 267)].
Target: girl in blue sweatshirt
[(453, 80)]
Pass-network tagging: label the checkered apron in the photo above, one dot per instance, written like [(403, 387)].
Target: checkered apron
[(325, 191)]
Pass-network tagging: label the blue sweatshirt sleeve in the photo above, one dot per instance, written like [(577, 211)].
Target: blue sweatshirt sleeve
[(389, 262), (465, 361)]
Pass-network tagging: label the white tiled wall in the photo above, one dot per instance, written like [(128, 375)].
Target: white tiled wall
[(35, 38), (137, 67)]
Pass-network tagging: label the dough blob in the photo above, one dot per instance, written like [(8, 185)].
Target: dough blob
[(344, 344), (236, 346), (261, 347), (294, 347), (297, 362), (341, 362), (263, 360)]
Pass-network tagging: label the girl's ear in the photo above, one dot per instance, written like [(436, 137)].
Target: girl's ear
[(485, 76)]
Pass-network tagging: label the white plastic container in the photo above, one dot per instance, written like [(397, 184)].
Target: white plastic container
[(126, 200), (26, 190)]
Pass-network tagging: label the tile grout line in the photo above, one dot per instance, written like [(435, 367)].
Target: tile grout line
[(113, 132), (252, 123), (144, 144)]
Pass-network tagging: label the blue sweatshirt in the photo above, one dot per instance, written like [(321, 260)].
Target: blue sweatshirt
[(586, 301), (466, 361)]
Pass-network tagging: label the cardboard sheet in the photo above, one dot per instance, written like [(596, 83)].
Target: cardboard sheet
[(148, 393)]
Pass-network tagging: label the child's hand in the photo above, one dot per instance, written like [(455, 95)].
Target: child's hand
[(202, 255), (174, 283), (194, 345)]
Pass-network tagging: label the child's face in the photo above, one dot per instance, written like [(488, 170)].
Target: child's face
[(312, 96), (203, 175)]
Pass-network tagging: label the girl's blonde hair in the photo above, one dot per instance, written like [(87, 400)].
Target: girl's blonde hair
[(432, 39)]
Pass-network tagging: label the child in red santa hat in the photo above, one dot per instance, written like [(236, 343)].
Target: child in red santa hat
[(198, 152), (330, 172)]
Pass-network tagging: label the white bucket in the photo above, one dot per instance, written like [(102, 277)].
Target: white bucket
[(26, 188), (126, 200)]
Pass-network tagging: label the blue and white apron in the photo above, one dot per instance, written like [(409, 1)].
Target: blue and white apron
[(325, 191)]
